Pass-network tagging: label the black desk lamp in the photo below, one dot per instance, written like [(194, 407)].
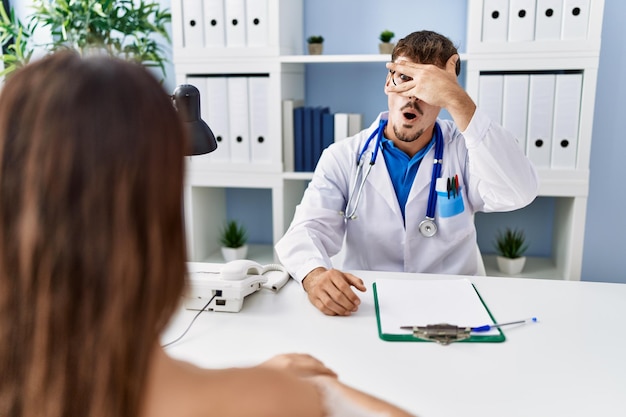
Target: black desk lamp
[(187, 101)]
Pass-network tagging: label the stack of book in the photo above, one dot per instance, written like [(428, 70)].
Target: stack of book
[(308, 130)]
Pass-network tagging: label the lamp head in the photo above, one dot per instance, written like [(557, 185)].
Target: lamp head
[(187, 101)]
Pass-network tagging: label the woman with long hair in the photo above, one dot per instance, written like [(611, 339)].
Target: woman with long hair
[(92, 260)]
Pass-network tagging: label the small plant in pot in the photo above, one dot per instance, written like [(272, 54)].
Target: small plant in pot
[(510, 246), (316, 44), (233, 239), (386, 47)]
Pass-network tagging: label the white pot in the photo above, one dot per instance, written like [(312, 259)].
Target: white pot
[(232, 254), (511, 266), (386, 47)]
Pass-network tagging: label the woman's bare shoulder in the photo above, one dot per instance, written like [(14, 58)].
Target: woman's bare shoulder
[(181, 389)]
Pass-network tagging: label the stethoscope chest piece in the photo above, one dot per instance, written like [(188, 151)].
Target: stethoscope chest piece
[(428, 227)]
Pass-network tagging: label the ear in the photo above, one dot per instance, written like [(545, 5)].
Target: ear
[(453, 66)]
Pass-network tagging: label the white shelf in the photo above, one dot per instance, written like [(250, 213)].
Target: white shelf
[(535, 267), (263, 254)]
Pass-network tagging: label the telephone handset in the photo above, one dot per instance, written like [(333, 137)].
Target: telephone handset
[(227, 285)]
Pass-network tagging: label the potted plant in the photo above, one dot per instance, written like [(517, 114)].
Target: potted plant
[(510, 246), (316, 44), (386, 47), (123, 28), (233, 239)]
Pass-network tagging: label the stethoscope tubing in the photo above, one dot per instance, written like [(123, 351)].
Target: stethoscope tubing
[(361, 176)]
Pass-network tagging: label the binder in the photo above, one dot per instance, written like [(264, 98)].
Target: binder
[(288, 133), (258, 90), (318, 113), (193, 32), (430, 302), (355, 122), (521, 20), (328, 130), (239, 119), (341, 126), (515, 106), (215, 101), (490, 88), (548, 20), (214, 23), (567, 94), (235, 13), (575, 19), (495, 21), (540, 111), (257, 23), (298, 143), (308, 139)]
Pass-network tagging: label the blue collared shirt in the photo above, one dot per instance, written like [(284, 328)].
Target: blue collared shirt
[(402, 169)]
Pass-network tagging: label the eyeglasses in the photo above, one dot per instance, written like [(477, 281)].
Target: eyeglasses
[(398, 78)]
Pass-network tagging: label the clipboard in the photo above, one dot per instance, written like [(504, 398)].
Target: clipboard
[(435, 304)]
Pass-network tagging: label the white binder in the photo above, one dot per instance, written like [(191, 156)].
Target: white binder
[(495, 21), (566, 117), (355, 123), (288, 130), (341, 126), (575, 19), (257, 23), (215, 101), (548, 21), (235, 12), (515, 106), (490, 88), (193, 31), (522, 20), (239, 119), (260, 144), (540, 112), (214, 23)]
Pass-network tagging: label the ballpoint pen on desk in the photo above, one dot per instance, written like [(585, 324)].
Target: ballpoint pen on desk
[(488, 327), (484, 328)]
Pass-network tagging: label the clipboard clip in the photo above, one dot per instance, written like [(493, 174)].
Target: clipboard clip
[(442, 333)]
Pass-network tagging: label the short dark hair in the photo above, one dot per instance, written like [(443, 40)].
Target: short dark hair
[(426, 47)]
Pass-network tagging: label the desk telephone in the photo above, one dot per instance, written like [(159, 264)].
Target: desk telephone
[(228, 284)]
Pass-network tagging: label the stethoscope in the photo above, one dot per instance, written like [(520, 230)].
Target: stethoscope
[(427, 227)]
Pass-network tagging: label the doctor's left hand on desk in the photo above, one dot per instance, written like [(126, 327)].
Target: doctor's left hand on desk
[(330, 290)]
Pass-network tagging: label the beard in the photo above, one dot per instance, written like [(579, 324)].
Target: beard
[(405, 136)]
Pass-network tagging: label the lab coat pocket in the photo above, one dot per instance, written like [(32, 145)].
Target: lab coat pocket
[(450, 204)]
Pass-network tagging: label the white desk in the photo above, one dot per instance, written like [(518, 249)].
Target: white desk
[(572, 363)]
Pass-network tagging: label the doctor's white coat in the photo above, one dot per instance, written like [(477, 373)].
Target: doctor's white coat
[(494, 175)]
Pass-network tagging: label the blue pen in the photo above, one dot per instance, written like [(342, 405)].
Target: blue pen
[(488, 327)]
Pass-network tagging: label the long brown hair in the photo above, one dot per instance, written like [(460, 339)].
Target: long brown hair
[(92, 248)]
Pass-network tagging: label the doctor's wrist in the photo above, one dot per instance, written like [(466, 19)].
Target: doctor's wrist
[(310, 279)]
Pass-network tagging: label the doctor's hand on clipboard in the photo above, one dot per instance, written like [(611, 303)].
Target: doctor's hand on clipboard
[(330, 290)]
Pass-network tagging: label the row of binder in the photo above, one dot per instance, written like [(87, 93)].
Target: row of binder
[(225, 23), (541, 109), (236, 109), (535, 20), (308, 130)]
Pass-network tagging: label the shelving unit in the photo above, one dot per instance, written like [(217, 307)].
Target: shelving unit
[(493, 51), (281, 59)]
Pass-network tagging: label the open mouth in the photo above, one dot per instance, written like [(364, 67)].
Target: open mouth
[(409, 116)]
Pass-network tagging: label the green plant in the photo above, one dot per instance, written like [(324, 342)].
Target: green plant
[(511, 243), (386, 36), (315, 39), (123, 28), (233, 235)]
